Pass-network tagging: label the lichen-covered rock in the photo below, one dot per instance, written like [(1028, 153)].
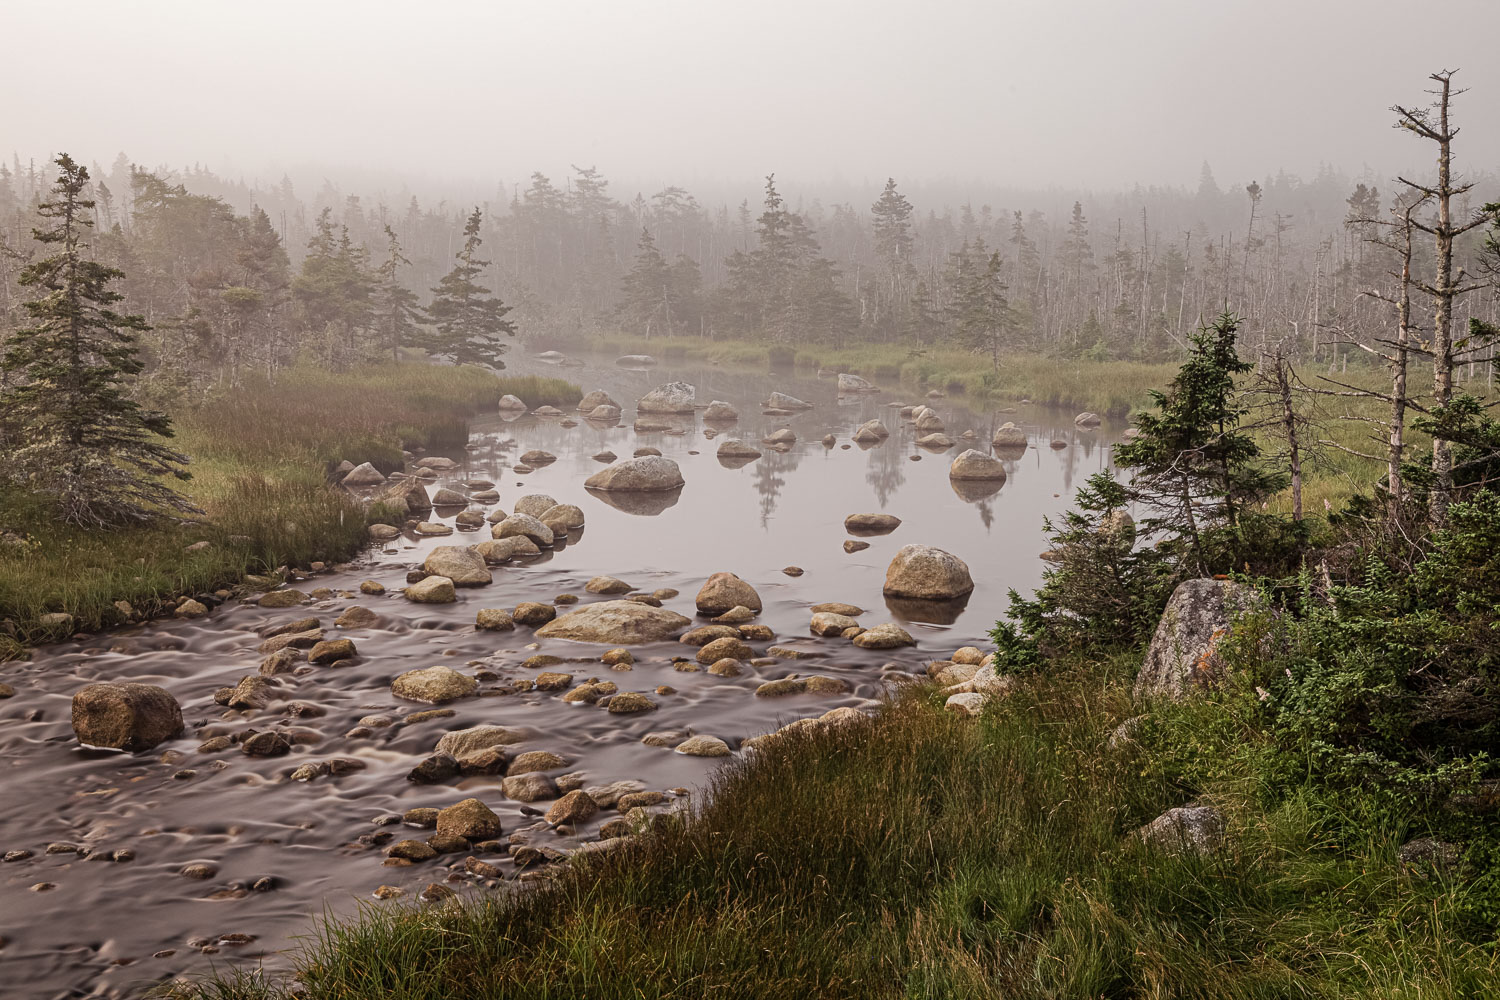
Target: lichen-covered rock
[(703, 746), (1009, 437), (363, 475), (1087, 419), (462, 564), (1183, 657), (853, 383), (616, 623), (524, 526), (927, 573), (499, 550), (462, 743), (575, 807), (434, 685), (731, 647), (724, 591), (649, 473), (781, 401), (884, 636), (432, 590), (973, 464), (734, 448), (331, 651), (595, 399), (674, 397), (533, 613), (566, 515), (825, 623), (125, 716), (494, 620), (720, 410), (1185, 830), (469, 819)]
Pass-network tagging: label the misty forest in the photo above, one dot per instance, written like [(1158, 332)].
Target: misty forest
[(559, 585)]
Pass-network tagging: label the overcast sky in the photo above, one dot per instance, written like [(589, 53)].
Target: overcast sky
[(1096, 93)]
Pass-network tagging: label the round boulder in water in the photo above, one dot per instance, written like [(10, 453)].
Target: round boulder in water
[(976, 465), (928, 573), (648, 474)]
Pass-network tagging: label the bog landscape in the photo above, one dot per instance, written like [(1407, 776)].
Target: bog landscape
[(430, 573)]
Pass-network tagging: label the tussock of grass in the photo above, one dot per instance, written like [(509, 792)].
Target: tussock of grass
[(927, 856), (260, 461)]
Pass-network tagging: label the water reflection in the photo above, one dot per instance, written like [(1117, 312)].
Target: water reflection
[(642, 503)]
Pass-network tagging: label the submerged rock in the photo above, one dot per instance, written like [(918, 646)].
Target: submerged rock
[(871, 524)]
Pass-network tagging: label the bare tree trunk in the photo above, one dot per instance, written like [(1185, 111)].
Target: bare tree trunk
[(1446, 288)]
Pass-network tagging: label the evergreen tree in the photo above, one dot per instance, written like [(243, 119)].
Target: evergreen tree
[(1192, 465), (891, 229), (647, 288), (468, 317), (82, 441), (335, 290), (396, 309)]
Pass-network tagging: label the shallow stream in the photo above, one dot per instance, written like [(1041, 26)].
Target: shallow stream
[(282, 852)]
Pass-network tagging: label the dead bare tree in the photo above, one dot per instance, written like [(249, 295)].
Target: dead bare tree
[(1434, 124)]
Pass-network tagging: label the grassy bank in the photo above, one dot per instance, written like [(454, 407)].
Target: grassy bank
[(926, 856), (1112, 387), (260, 461)]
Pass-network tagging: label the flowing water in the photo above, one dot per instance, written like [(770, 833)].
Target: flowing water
[(282, 852)]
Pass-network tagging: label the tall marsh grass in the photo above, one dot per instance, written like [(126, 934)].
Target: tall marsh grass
[(925, 856), (261, 455)]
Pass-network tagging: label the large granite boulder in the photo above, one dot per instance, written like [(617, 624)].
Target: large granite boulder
[(1183, 657), (363, 475), (434, 685), (674, 397), (927, 573), (463, 564), (595, 399), (1009, 437), (125, 716), (617, 623), (651, 473), (723, 592), (973, 464), (781, 401), (853, 383)]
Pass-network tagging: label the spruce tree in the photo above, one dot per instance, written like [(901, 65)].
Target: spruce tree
[(468, 317), (1194, 469), (82, 442), (647, 299), (396, 308)]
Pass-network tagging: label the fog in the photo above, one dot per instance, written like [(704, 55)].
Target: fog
[(1091, 94)]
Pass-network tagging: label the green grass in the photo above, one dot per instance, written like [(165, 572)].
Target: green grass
[(260, 462), (925, 856), (1110, 387)]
